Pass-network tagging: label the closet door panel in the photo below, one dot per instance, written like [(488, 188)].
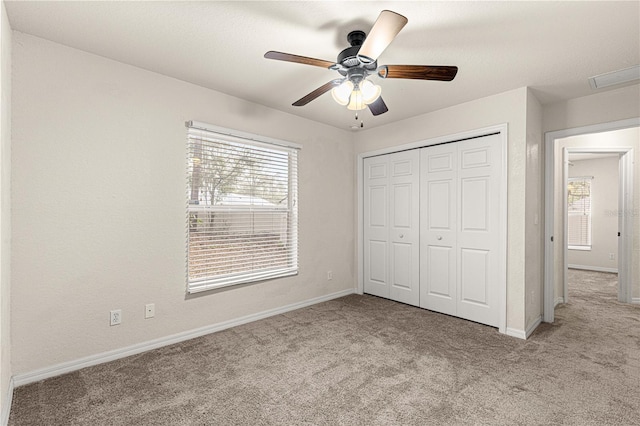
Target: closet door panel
[(474, 208), (438, 229), (377, 270), (478, 234), (404, 232), (474, 284), (376, 226), (439, 278)]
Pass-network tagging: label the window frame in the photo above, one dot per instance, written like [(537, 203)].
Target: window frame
[(256, 142), (589, 215)]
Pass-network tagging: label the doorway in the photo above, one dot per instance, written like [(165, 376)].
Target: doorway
[(591, 217), (619, 138)]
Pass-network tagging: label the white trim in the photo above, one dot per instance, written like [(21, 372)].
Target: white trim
[(514, 332), (558, 301), (6, 405), (524, 334), (207, 284), (579, 248), (592, 268), (485, 131), (565, 222), (626, 164), (533, 327), (548, 301), (625, 225), (635, 300), (503, 230), (360, 225), (89, 361), (503, 129)]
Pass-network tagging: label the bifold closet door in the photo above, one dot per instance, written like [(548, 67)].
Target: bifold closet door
[(391, 226), (438, 217), (460, 237)]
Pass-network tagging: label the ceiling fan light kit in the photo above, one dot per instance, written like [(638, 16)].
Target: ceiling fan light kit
[(370, 91), (355, 102), (356, 97), (359, 61), (342, 92)]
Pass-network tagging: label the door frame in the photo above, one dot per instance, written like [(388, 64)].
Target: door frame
[(625, 164), (502, 261), (624, 204)]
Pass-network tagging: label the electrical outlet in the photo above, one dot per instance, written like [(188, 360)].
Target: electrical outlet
[(149, 310), (116, 316), (612, 256), (329, 275)]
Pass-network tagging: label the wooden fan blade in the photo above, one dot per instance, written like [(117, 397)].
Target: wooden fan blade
[(419, 72), (288, 57), (385, 29), (316, 93), (378, 107)]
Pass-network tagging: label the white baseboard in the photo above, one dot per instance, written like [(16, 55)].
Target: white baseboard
[(635, 300), (6, 405), (67, 367), (593, 268), (558, 301), (533, 326), (514, 332), (524, 334)]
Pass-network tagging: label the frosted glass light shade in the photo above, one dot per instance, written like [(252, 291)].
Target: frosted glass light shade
[(342, 92), (356, 97), (356, 103), (370, 91)]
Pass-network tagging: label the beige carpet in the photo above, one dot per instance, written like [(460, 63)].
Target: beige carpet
[(362, 360)]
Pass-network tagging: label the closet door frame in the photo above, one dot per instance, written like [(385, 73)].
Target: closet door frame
[(502, 129)]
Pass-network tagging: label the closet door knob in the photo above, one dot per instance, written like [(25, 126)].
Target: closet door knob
[(439, 237), (401, 235)]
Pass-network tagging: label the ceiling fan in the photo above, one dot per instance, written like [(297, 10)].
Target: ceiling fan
[(356, 63)]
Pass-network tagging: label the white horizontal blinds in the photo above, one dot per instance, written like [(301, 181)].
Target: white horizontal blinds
[(579, 212), (242, 211)]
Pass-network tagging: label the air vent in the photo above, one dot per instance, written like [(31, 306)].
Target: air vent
[(615, 77)]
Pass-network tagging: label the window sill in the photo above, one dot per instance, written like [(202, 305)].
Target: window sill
[(580, 248), (206, 285)]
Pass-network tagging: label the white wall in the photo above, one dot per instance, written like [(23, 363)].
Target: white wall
[(534, 215), (5, 215), (604, 214), (509, 107), (99, 205), (601, 107)]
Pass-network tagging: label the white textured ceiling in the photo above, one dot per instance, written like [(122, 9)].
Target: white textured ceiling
[(553, 47)]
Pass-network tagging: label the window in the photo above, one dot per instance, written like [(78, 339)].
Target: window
[(579, 213), (242, 208)]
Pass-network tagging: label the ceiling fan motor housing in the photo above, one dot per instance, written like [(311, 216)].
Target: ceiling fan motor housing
[(348, 58), (356, 38)]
